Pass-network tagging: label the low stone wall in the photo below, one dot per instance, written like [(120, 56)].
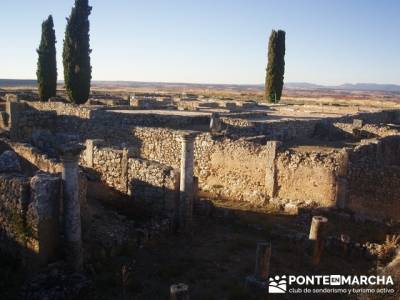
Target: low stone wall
[(91, 122), (374, 179), (108, 163), (284, 130), (148, 103), (386, 116), (158, 144), (44, 163), (150, 182), (248, 171), (62, 108), (23, 120), (29, 214), (99, 122), (14, 200), (34, 156), (155, 184), (307, 177), (232, 169), (125, 120)]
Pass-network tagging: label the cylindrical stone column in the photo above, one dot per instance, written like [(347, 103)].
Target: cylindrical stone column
[(263, 256), (215, 122), (179, 291), (71, 205), (186, 180), (195, 187), (317, 236), (345, 239)]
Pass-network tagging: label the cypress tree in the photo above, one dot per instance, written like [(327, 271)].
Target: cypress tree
[(275, 67), (47, 64), (76, 53)]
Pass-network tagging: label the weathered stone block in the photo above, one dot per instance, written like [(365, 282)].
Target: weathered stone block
[(357, 124), (43, 214), (9, 162)]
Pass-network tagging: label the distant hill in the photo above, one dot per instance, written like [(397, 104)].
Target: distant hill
[(370, 87), (17, 82), (346, 86), (304, 86), (289, 85)]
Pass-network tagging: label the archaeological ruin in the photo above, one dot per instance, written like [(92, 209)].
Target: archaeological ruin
[(81, 184)]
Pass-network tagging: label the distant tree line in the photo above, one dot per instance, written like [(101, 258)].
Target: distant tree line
[(76, 56), (275, 67)]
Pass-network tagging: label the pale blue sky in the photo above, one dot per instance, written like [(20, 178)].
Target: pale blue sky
[(215, 41)]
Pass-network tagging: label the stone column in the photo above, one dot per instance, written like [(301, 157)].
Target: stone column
[(89, 152), (13, 112), (395, 117), (357, 123), (263, 256), (215, 122), (380, 161), (270, 171), (186, 180), (195, 187), (71, 206), (172, 195), (341, 190), (345, 239), (179, 291), (124, 170), (127, 153), (317, 236)]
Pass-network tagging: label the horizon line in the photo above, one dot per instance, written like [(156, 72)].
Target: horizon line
[(210, 83)]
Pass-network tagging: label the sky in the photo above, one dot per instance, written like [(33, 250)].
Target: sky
[(215, 41)]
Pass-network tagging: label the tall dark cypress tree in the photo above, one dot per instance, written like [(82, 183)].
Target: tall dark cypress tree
[(47, 63), (275, 67), (76, 54)]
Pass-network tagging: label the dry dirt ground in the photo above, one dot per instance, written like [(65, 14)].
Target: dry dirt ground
[(215, 258), (220, 252)]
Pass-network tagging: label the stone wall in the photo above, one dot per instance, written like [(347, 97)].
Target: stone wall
[(231, 169), (37, 160), (29, 213), (303, 176), (155, 184), (374, 179), (150, 182), (100, 122), (34, 156), (14, 200), (243, 170), (228, 166), (23, 120), (62, 108), (284, 130), (108, 163), (91, 122)]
